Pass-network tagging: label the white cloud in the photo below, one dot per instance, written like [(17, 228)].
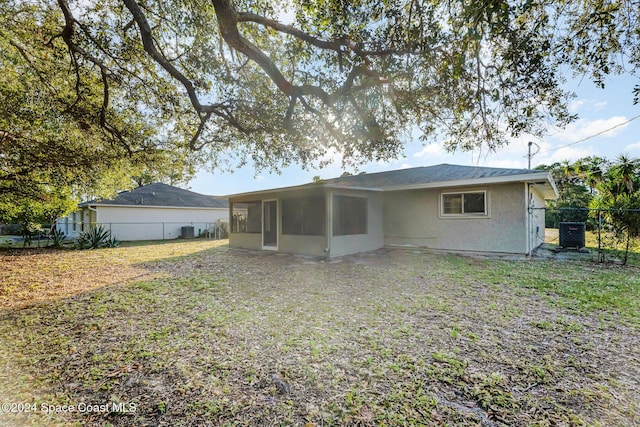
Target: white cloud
[(405, 166), (575, 106), (597, 106), (581, 129), (632, 147), (431, 150), (565, 153), (586, 104)]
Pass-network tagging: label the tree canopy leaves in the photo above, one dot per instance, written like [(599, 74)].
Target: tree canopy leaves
[(94, 87)]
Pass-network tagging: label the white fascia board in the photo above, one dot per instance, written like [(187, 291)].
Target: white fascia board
[(274, 190), (554, 189), (301, 187), (347, 188)]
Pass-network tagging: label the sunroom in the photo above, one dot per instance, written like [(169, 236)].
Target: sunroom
[(313, 220)]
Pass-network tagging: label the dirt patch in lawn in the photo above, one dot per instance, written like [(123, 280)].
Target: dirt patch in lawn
[(393, 337)]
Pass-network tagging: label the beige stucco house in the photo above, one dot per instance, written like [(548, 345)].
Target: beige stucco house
[(444, 207), (152, 212)]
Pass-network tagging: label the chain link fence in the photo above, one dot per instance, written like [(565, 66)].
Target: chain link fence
[(41, 235), (612, 234)]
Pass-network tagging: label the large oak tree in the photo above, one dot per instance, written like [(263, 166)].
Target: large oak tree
[(110, 85)]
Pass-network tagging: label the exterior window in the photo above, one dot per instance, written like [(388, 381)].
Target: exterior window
[(245, 217), (470, 203), (303, 216), (349, 215)]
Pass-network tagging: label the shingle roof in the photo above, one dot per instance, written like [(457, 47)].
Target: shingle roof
[(444, 175), (424, 175), (159, 194)]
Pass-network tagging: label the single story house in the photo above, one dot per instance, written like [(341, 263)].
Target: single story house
[(444, 207), (151, 212)]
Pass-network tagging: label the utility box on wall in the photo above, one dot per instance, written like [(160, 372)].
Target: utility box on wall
[(187, 232), (572, 234)]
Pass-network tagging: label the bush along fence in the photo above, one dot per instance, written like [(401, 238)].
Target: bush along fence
[(86, 234), (614, 232)]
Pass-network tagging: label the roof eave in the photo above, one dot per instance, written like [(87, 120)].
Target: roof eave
[(277, 190), (353, 187), (83, 205), (532, 177)]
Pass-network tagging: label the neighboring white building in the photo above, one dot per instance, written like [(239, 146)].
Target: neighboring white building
[(151, 212)]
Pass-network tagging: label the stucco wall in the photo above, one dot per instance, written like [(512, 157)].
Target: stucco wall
[(149, 223), (413, 218), (305, 245), (245, 240), (344, 245)]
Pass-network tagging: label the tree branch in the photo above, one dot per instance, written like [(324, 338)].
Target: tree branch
[(228, 24), (339, 45), (148, 43), (25, 55), (336, 45), (203, 122)]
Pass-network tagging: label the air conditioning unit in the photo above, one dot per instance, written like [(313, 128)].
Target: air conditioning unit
[(572, 234), (187, 232)]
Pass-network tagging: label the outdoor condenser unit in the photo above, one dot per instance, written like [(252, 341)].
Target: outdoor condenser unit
[(187, 232), (572, 234)]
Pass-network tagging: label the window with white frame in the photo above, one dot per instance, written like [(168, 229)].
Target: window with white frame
[(469, 203)]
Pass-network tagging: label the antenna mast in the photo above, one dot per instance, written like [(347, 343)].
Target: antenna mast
[(530, 154)]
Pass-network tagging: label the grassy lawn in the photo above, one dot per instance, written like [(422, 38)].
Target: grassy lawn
[(194, 333)]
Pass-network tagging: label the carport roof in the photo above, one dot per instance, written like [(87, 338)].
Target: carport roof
[(161, 195)]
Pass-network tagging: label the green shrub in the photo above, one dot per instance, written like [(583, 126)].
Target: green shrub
[(12, 229), (29, 231), (96, 237), (112, 242), (57, 237)]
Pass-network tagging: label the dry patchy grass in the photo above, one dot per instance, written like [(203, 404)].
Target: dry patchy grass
[(32, 275), (393, 337)]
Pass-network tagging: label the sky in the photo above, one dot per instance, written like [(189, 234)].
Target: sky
[(608, 126)]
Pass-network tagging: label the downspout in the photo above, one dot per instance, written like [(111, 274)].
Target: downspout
[(328, 223), (94, 210)]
